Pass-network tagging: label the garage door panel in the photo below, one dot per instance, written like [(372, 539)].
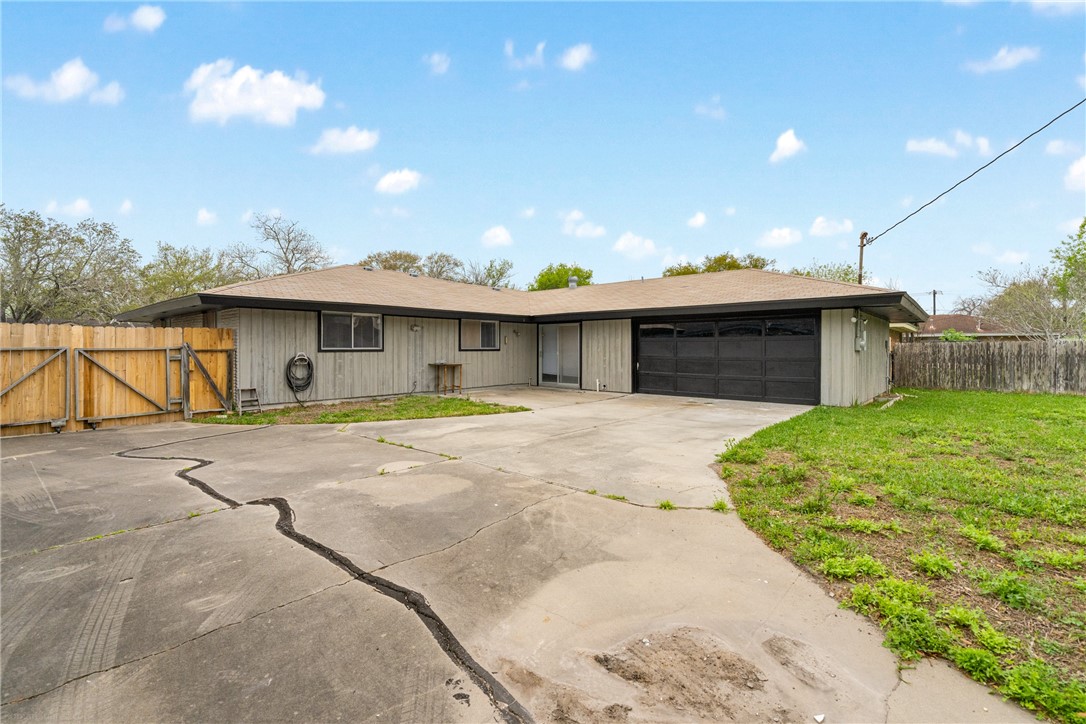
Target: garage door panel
[(656, 383), (665, 365), (792, 368), (740, 367), (749, 389), (787, 391), (695, 347), (695, 385), (655, 347), (696, 367), (740, 348), (791, 347)]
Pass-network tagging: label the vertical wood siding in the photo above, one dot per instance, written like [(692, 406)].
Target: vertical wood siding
[(850, 377), (606, 353), (268, 339)]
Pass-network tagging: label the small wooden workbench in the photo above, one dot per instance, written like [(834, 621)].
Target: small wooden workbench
[(450, 376)]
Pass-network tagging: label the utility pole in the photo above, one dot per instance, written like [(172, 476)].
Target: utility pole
[(933, 293), (864, 241)]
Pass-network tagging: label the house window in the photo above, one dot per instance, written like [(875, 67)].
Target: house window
[(478, 334), (345, 331)]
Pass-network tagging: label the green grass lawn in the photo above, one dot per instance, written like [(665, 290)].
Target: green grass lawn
[(410, 407), (956, 520)]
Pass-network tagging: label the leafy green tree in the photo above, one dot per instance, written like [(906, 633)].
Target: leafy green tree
[(176, 271), (52, 271), (283, 247), (394, 260), (721, 262), (556, 276), (953, 335), (833, 271), (442, 265)]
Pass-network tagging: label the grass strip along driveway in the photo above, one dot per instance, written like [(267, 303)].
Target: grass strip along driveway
[(956, 520), (410, 407)]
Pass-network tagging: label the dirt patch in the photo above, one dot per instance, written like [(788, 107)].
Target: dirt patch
[(694, 674), (554, 702)]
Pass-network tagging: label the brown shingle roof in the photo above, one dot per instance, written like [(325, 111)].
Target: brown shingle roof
[(939, 323), (354, 285)]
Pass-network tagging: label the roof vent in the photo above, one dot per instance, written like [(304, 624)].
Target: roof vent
[(368, 268), (412, 273), (573, 282)]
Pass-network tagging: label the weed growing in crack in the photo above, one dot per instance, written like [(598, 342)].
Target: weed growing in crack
[(612, 496), (665, 505), (720, 505), (592, 491)]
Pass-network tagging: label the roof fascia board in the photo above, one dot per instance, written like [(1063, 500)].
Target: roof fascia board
[(314, 306)]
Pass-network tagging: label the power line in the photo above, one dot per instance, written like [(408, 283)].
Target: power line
[(871, 239)]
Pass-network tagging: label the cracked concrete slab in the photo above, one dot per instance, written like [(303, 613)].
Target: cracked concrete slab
[(378, 582)]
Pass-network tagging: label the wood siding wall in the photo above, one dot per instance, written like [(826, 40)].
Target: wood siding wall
[(1035, 366), (606, 354), (147, 358), (268, 339), (850, 377)]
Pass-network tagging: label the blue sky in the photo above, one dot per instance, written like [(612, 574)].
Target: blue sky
[(623, 137)]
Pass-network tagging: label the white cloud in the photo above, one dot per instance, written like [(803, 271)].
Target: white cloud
[(730, 211), (575, 224), (247, 216), (109, 95), (535, 60), (438, 62), (711, 109), (982, 249), (1060, 147), (396, 212), (577, 57), (783, 236), (671, 258), (930, 145), (528, 213), (1070, 226), (220, 93), (125, 208), (966, 140), (497, 236), (633, 246), (1012, 257), (145, 18), (67, 83), (907, 202), (828, 227), (787, 145), (80, 208), (1007, 58), (1056, 8), (398, 182), (697, 220), (205, 217), (1075, 178), (346, 140)]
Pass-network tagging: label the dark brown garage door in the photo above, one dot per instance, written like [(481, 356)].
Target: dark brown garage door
[(775, 360)]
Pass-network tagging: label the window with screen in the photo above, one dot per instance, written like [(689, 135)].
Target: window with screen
[(351, 332)]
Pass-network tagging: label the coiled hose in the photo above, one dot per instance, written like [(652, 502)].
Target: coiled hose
[(300, 371)]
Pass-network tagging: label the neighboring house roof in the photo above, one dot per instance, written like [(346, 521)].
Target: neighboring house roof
[(354, 287), (966, 323)]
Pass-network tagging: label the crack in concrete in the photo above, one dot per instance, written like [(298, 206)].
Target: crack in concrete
[(500, 698), (510, 709), (168, 649), (477, 532)]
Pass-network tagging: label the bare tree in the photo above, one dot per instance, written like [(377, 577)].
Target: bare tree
[(394, 260), (284, 247), (973, 306), (1029, 301), (443, 265), (495, 273)]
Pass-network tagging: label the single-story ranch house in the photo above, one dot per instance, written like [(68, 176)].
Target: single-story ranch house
[(746, 334)]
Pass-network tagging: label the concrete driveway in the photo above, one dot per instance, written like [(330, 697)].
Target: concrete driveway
[(455, 570)]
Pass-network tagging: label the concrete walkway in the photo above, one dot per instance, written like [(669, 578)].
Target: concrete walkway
[(456, 574)]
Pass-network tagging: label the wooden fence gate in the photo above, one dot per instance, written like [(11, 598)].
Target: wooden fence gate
[(64, 377)]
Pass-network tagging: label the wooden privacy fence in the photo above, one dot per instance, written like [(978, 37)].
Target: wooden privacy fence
[(1035, 366), (65, 377)]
